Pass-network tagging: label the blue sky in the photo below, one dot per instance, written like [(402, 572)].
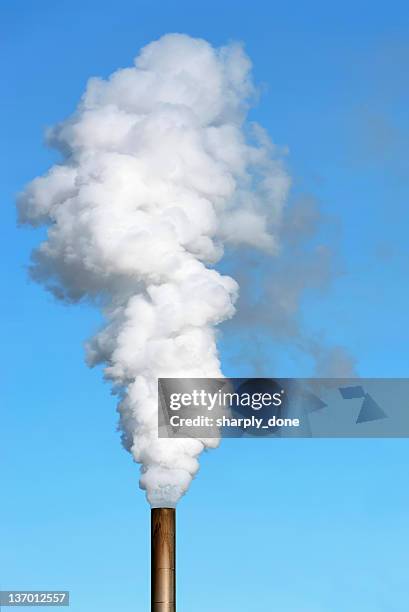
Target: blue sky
[(292, 525)]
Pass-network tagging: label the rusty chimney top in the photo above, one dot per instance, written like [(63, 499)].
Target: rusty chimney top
[(163, 547)]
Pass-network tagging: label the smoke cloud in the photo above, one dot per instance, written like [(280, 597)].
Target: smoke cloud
[(269, 309), (159, 171)]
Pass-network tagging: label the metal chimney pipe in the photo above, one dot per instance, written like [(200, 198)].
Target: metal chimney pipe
[(163, 547)]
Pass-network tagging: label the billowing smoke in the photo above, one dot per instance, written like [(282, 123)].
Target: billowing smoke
[(159, 170)]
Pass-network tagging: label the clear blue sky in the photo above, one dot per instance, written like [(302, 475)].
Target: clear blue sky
[(286, 525)]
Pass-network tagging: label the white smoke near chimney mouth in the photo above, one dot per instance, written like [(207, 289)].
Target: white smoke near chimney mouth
[(158, 172)]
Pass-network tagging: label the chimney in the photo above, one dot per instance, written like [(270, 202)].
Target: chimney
[(163, 545)]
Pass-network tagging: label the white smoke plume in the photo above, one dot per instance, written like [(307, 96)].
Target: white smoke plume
[(158, 171)]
